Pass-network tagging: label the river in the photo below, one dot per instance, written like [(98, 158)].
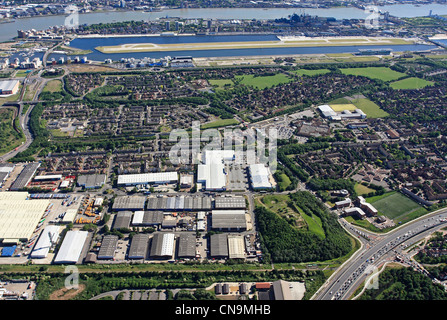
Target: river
[(9, 30)]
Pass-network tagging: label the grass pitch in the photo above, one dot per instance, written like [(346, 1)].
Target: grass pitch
[(380, 73), (410, 83)]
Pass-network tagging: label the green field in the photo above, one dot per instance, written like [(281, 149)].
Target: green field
[(371, 109), (283, 181), (221, 83), (9, 137), (380, 73), (361, 189), (396, 206), (219, 123), (410, 83), (264, 81), (305, 72), (53, 86)]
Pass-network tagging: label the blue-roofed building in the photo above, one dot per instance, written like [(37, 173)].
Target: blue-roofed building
[(8, 251)]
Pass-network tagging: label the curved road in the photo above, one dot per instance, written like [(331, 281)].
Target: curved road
[(345, 281)]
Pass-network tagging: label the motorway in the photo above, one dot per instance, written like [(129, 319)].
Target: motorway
[(342, 284)]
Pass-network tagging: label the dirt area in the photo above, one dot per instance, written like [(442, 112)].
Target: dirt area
[(88, 68), (66, 294)]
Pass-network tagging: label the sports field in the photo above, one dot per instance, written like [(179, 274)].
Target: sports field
[(306, 72), (286, 42), (264, 81), (371, 109), (341, 107), (380, 73), (410, 83), (396, 206)]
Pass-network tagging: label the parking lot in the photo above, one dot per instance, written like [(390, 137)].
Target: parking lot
[(237, 177)]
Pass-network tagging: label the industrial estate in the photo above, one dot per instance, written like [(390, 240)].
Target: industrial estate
[(211, 175)]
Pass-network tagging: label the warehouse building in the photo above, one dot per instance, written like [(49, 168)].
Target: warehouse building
[(147, 218), (91, 181), (69, 216), (212, 172), (53, 177), (25, 176), (236, 202), (19, 218), (122, 220), (259, 177), (129, 203), (71, 248), (139, 245), (228, 220), (5, 171), (219, 246), (186, 246), (148, 178), (162, 246), (47, 240), (180, 203), (236, 247), (108, 247), (9, 87)]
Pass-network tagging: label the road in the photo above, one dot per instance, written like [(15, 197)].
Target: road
[(342, 284)]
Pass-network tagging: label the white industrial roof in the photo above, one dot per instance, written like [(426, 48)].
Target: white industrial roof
[(217, 156), (213, 175), (167, 248), (144, 178), (236, 247), (69, 215), (71, 247), (327, 111), (260, 176), (49, 177), (138, 217), (13, 195), (8, 84), (44, 243), (19, 218)]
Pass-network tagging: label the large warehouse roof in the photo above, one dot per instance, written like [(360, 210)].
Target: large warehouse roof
[(145, 178), (122, 220), (236, 247), (136, 203), (108, 247), (162, 245), (179, 203), (25, 176), (212, 175), (92, 181), (47, 239), (228, 219), (186, 245), (19, 218), (71, 248), (219, 245), (138, 246), (13, 195), (237, 202), (259, 174)]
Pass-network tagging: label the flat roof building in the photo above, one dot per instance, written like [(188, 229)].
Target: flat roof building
[(233, 202), (91, 181), (47, 240), (139, 246), (129, 203), (5, 171), (19, 218), (71, 248), (228, 220), (219, 245), (9, 86), (148, 178), (25, 176), (236, 247), (162, 245), (259, 177), (69, 215), (108, 247), (122, 220), (186, 245)]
